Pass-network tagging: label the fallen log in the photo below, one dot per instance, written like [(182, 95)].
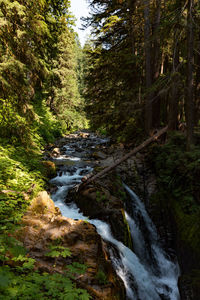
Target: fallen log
[(119, 161)]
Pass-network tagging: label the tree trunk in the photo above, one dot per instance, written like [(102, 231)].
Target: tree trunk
[(147, 45), (131, 18), (190, 60), (173, 99), (197, 84), (156, 65)]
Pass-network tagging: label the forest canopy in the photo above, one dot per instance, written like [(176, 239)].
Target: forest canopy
[(38, 68)]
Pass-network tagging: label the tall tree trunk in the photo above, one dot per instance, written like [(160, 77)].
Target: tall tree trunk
[(131, 18), (197, 83), (190, 60), (156, 65), (147, 45), (173, 99)]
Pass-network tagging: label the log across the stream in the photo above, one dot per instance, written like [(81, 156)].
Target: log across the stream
[(119, 161)]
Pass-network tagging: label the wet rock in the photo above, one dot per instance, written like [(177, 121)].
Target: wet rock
[(50, 168), (107, 162), (55, 152), (44, 225), (98, 202), (84, 134), (99, 155)]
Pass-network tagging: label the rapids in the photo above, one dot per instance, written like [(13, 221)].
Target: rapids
[(147, 273)]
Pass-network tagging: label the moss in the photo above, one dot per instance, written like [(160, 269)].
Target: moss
[(49, 169), (178, 195), (188, 226), (127, 233)]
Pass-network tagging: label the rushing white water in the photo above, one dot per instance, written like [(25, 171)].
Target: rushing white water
[(65, 157), (163, 271), (142, 281)]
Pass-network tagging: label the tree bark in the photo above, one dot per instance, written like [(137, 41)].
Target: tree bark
[(156, 65), (147, 46), (197, 83), (190, 61), (173, 99)]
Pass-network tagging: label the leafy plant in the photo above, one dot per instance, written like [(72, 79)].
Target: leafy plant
[(45, 286), (56, 251), (76, 268)]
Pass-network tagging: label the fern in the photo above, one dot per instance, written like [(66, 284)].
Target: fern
[(45, 286)]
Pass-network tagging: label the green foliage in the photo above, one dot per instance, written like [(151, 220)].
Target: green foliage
[(57, 250), (38, 65), (12, 124), (45, 286), (45, 126), (177, 172), (76, 268), (10, 247), (21, 282), (21, 177), (100, 196), (101, 277)]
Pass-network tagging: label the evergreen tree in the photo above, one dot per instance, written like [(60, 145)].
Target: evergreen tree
[(139, 64), (38, 61)]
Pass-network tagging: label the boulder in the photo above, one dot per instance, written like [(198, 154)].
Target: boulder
[(99, 201), (55, 152), (44, 225), (49, 168), (99, 155)]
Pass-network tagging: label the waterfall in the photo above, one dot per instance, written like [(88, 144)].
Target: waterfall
[(147, 273), (163, 271)]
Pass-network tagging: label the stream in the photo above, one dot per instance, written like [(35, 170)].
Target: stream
[(148, 273)]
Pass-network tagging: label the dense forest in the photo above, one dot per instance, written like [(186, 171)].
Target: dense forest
[(144, 65), (138, 72)]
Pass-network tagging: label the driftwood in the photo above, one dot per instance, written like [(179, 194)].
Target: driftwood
[(119, 161)]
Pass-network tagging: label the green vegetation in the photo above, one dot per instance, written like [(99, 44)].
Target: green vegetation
[(57, 251), (18, 280), (39, 101), (43, 286), (21, 177), (178, 194), (140, 72), (101, 197), (127, 234), (101, 277), (39, 92)]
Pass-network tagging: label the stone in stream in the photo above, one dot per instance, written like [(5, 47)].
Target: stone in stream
[(55, 152), (98, 202), (50, 168)]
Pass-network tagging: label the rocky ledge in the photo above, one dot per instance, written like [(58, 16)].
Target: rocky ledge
[(44, 226)]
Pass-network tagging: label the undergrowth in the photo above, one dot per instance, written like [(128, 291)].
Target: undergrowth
[(177, 174), (22, 176)]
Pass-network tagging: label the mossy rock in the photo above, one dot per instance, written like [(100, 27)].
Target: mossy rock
[(49, 168), (127, 234)]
